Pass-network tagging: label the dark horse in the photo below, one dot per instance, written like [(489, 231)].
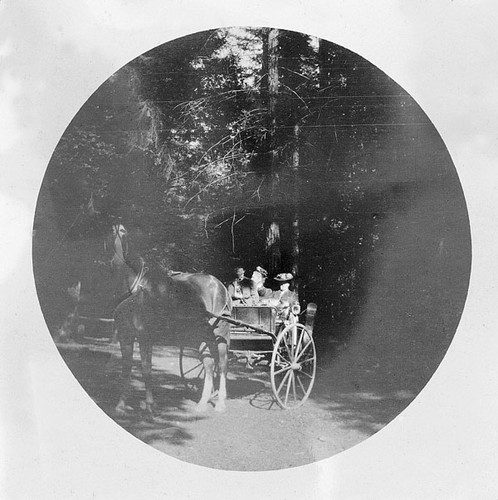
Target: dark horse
[(147, 302)]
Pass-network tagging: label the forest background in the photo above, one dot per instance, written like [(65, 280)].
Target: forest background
[(251, 146)]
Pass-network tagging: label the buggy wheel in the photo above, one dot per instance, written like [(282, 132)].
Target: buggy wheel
[(293, 366), (192, 369)]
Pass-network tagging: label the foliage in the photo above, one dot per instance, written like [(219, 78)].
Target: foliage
[(177, 144)]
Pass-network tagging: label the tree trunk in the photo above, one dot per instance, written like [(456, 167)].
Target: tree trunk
[(295, 218), (273, 230), (325, 61)]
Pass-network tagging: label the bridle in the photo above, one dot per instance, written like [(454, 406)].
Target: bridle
[(137, 284), (123, 243)]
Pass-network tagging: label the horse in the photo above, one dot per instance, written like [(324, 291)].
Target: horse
[(146, 301)]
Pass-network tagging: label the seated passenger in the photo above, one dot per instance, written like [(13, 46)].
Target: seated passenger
[(287, 300), (259, 277), (242, 290), (284, 293)]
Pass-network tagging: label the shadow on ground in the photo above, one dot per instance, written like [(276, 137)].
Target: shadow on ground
[(97, 369)]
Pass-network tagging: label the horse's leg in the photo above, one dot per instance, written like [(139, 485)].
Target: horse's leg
[(126, 343), (146, 359), (207, 389), (223, 370), (115, 334)]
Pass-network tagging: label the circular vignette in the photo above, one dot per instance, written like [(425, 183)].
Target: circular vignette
[(258, 147)]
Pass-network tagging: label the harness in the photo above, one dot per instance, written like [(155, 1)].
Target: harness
[(119, 246), (137, 282)]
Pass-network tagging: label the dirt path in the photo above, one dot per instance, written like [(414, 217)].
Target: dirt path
[(254, 433)]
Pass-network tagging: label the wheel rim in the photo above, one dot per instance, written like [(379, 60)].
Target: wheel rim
[(191, 369), (293, 366)]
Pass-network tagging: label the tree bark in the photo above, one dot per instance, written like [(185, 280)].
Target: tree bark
[(273, 230), (295, 219)]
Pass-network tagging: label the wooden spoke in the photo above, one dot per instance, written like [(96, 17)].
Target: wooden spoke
[(294, 376), (291, 377), (301, 384), (304, 349), (282, 370), (289, 352), (286, 376), (307, 374), (308, 360), (292, 333), (192, 370), (299, 343), (282, 359), (188, 372)]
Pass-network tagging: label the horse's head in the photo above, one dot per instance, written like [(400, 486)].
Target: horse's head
[(116, 245), (119, 231)]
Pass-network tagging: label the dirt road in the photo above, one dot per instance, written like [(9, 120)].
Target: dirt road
[(254, 433), (365, 378)]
